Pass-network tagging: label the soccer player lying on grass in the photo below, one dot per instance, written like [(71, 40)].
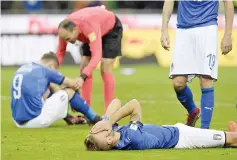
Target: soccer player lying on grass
[(136, 136), (29, 91)]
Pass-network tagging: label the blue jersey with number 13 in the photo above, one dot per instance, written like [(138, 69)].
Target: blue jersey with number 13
[(29, 84)]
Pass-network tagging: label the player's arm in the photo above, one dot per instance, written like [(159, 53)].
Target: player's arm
[(62, 45), (166, 14), (226, 43), (113, 107), (57, 78), (53, 88), (229, 16), (93, 33), (132, 108), (46, 94)]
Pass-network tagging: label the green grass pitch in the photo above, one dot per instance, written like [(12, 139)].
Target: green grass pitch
[(151, 86)]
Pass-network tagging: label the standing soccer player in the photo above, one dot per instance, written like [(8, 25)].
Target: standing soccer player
[(196, 52), (101, 33)]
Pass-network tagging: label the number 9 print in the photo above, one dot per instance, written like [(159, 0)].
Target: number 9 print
[(17, 82)]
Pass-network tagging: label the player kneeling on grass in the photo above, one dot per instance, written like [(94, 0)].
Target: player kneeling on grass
[(136, 136), (29, 91)]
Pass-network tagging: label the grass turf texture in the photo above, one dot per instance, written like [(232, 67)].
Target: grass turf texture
[(151, 86)]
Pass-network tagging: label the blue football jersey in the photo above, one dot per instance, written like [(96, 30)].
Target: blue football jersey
[(29, 84), (197, 13), (136, 136)]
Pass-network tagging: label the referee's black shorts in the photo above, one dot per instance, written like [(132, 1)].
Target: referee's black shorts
[(111, 42)]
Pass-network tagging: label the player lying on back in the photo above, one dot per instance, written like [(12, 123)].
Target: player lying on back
[(100, 31), (29, 91), (136, 136)]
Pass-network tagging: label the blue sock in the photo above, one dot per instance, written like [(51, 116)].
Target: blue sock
[(185, 97), (80, 105), (207, 104)]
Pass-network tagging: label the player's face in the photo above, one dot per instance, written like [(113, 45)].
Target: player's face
[(103, 140), (69, 36)]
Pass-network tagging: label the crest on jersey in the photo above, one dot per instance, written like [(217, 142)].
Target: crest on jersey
[(133, 127), (92, 37), (217, 137)]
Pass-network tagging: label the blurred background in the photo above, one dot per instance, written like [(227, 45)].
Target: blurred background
[(29, 29)]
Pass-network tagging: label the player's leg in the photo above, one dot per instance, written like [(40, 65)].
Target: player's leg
[(185, 97), (69, 119), (79, 104), (207, 101), (190, 137), (108, 80), (54, 108), (111, 49), (207, 52), (181, 71), (86, 90)]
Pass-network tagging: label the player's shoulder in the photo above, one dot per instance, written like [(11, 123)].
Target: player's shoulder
[(28, 67)]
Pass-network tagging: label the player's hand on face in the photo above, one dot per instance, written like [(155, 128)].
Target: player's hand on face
[(226, 44), (165, 40), (100, 126)]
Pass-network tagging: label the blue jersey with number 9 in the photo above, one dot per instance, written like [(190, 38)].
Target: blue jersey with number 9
[(29, 84)]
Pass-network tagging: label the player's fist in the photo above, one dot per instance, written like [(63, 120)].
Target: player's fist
[(226, 44), (165, 40)]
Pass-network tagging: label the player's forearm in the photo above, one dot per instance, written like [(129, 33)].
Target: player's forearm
[(62, 45), (68, 82), (113, 107), (166, 14), (229, 16), (60, 56), (92, 65), (131, 108)]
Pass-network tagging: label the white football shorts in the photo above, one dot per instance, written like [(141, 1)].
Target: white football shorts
[(54, 108), (195, 52), (190, 137)]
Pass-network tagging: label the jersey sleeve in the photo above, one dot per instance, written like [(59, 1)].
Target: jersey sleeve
[(53, 76), (62, 45), (93, 32)]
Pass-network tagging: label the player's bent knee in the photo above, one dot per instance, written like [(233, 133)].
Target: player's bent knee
[(70, 92), (179, 83), (206, 82)]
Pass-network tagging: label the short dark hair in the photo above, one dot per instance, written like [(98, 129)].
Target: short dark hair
[(50, 56), (67, 24), (90, 144)]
